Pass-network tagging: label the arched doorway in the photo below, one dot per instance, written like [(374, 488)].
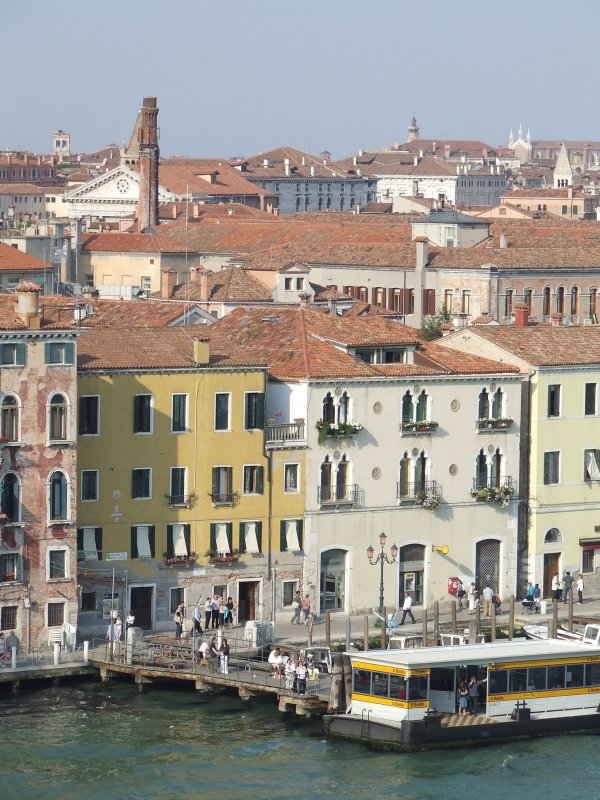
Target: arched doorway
[(332, 583)]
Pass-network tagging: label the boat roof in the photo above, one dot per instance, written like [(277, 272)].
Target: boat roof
[(488, 653)]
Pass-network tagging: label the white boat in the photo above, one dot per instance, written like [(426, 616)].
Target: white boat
[(541, 632), (406, 699)]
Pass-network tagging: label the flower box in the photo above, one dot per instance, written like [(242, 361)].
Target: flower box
[(337, 430), (426, 426), (222, 558), (496, 424), (494, 494), (172, 561), (430, 501)]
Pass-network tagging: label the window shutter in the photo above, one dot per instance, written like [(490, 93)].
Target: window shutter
[(69, 352), (229, 529), (170, 545), (133, 483), (64, 511), (259, 535), (246, 488), (47, 352), (136, 414), (79, 539), (259, 479), (282, 539), (242, 545), (260, 411), (300, 533), (151, 539), (98, 535), (134, 549), (546, 469), (213, 536), (187, 537), (20, 354), (215, 481)]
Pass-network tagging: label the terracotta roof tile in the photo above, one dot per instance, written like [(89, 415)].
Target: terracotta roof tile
[(130, 243), (544, 345), (12, 259), (232, 284)]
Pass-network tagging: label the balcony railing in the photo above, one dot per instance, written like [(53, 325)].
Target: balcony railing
[(492, 483), (285, 432), (416, 492), (418, 428), (185, 500), (223, 498), (494, 424), (333, 495), (494, 491)]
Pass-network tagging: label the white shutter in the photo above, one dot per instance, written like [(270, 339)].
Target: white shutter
[(250, 537), (179, 545), (222, 540), (291, 536), (89, 544), (592, 468), (143, 541)]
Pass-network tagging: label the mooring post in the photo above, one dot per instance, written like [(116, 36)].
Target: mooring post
[(424, 627), (478, 617), (511, 621), (571, 610), (493, 622), (436, 624), (453, 612), (328, 629), (554, 623), (348, 633), (86, 652), (366, 633)]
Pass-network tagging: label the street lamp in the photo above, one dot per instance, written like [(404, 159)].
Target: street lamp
[(382, 559)]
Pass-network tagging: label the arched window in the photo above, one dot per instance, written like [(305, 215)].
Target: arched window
[(497, 404), (421, 472), (404, 483), (574, 301), (497, 467), (407, 409), (484, 405), (547, 301), (553, 535), (481, 474), (10, 419), (342, 480), (593, 301), (344, 408), (508, 303), (328, 408), (9, 500), (58, 496), (326, 476), (422, 407), (560, 300), (57, 418), (527, 298)]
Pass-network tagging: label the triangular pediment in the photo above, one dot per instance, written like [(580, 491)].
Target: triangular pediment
[(295, 268), (119, 185)]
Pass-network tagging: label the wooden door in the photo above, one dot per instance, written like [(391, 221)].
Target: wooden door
[(551, 567), (141, 605)]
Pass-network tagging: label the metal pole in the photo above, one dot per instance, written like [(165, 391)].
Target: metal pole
[(453, 610), (384, 629), (112, 618), (328, 628), (511, 621), (381, 555), (348, 634)]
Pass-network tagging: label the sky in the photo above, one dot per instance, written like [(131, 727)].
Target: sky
[(239, 77)]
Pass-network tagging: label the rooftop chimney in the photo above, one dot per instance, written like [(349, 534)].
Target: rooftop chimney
[(556, 319), (28, 303), (201, 352), (415, 161), (168, 280), (354, 160), (148, 164), (286, 166), (312, 172), (361, 153), (521, 315), (503, 241), (304, 300), (266, 162)]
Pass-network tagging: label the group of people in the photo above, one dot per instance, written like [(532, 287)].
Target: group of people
[(7, 644), (476, 595), (561, 591), (296, 671), (468, 695), (212, 654), (218, 614), (301, 605)]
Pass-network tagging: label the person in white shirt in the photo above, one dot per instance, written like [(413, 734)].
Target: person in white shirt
[(276, 661), (556, 587), (488, 596), (197, 619), (407, 609), (580, 588)]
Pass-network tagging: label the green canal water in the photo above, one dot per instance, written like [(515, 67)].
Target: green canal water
[(86, 742)]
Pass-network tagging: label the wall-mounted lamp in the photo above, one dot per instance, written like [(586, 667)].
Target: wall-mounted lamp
[(443, 549)]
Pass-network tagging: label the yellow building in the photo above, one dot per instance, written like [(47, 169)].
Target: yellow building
[(181, 494)]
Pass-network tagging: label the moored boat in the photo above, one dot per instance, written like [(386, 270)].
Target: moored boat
[(542, 632)]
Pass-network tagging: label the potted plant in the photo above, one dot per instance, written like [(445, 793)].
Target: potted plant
[(179, 559), (428, 500), (337, 429), (214, 557)]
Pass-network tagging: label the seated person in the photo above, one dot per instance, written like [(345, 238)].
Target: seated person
[(203, 651), (276, 661), (401, 693)]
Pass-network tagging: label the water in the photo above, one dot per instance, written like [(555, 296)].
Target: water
[(94, 743)]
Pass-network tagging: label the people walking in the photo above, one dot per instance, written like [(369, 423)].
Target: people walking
[(224, 652), (407, 609), (556, 591), (568, 582), (460, 593), (198, 619), (178, 619), (472, 597), (207, 612), (297, 607), (580, 588), (306, 607), (488, 596)]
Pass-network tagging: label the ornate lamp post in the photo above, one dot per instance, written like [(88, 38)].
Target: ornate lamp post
[(382, 559)]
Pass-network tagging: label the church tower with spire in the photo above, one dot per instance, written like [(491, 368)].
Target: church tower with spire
[(413, 130), (563, 174)]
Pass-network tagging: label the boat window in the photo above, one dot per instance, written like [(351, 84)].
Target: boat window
[(380, 684), (417, 687), (362, 681), (498, 681), (442, 680), (398, 687), (574, 675), (536, 679), (556, 677), (517, 680), (592, 674)]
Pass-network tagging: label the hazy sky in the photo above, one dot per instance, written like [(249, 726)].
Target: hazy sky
[(241, 77)]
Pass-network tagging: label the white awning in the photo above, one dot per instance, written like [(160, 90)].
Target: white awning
[(222, 540), (251, 538), (592, 467), (89, 544), (143, 541), (179, 544), (291, 536)]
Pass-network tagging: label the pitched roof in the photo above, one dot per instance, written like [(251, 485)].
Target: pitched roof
[(300, 164), (184, 176), (22, 188), (544, 345), (130, 243), (112, 313), (13, 260), (233, 285)]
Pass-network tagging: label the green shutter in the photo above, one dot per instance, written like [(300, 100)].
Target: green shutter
[(300, 533), (242, 543), (136, 414), (20, 354), (47, 353), (188, 537), (282, 539), (79, 540), (259, 536), (260, 471), (215, 481), (213, 536), (151, 538), (69, 352), (134, 550), (229, 529), (19, 568), (170, 547), (98, 536), (260, 412)]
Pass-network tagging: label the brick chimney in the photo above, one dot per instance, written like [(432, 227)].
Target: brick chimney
[(28, 304), (149, 156), (201, 352), (556, 319), (521, 315), (168, 280)]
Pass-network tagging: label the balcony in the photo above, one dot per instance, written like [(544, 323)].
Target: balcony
[(337, 430), (183, 500), (285, 434), (420, 428), (422, 493), (346, 494), (492, 491), (223, 498), (494, 424)]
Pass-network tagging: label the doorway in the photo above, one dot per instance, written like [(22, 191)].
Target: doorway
[(247, 600), (332, 583), (551, 567), (140, 605)]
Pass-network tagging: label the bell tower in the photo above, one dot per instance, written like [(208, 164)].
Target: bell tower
[(148, 162), (413, 130)]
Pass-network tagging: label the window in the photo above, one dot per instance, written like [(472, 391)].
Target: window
[(554, 400), (58, 496), (56, 615), (560, 300), (141, 480), (291, 481), (288, 284), (254, 411), (9, 499), (575, 210), (590, 399), (574, 301), (547, 299), (10, 567), (146, 282), (178, 540), (88, 601), (222, 411), (220, 537), (179, 413), (527, 298), (222, 485), (288, 591), (177, 491), (142, 541), (12, 354), (465, 305), (89, 416), (253, 479), (564, 209), (251, 537), (422, 407), (59, 353), (497, 404), (57, 564), (591, 465), (89, 544), (587, 560), (551, 467), (177, 596), (57, 414), (593, 302), (407, 408), (290, 535), (299, 284), (8, 618), (142, 413), (10, 419), (448, 300), (89, 484)]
